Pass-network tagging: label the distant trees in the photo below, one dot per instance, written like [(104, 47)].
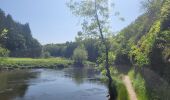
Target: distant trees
[(19, 40), (60, 50), (80, 55), (46, 55), (66, 49)]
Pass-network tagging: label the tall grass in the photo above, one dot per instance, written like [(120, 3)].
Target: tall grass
[(117, 81), (30, 62)]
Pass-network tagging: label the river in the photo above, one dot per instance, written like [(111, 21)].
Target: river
[(50, 84)]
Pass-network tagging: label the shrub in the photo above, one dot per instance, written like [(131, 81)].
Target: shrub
[(79, 55), (4, 52)]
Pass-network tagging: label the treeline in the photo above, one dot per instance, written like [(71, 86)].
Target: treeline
[(16, 39), (66, 49)]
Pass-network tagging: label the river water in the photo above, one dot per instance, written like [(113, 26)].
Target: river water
[(50, 84)]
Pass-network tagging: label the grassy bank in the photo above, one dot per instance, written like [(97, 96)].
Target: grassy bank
[(122, 93), (34, 63)]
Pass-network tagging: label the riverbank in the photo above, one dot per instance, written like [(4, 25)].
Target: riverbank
[(149, 85), (122, 92), (31, 63), (28, 63), (71, 83)]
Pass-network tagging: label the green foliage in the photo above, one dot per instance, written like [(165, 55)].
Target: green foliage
[(46, 55), (92, 47), (163, 43), (120, 87), (165, 15), (111, 58), (122, 91), (17, 38), (87, 10), (4, 52), (139, 84), (80, 55), (139, 57), (66, 49), (95, 18), (141, 52), (147, 41), (129, 37), (3, 34)]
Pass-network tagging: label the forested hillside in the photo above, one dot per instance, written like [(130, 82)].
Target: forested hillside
[(18, 40), (146, 42)]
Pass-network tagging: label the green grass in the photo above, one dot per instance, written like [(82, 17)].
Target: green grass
[(139, 84), (121, 89), (30, 62), (117, 81)]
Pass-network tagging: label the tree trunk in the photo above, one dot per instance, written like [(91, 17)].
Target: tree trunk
[(111, 86)]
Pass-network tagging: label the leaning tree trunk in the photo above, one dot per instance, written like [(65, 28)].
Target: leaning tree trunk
[(111, 87)]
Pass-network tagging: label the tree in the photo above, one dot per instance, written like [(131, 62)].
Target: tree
[(152, 9), (19, 40), (95, 14), (3, 35), (3, 52), (80, 55), (46, 54)]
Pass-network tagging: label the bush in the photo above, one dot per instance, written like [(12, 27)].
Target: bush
[(4, 52), (79, 55), (46, 55)]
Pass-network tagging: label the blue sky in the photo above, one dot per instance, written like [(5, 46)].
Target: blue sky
[(52, 22)]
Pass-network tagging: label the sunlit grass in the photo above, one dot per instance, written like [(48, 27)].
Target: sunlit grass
[(30, 62)]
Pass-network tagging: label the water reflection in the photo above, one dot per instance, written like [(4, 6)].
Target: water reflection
[(49, 84), (14, 83), (81, 75)]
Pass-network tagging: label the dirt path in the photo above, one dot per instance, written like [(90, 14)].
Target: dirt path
[(130, 89)]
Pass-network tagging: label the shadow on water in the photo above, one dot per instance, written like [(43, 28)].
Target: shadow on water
[(112, 91), (13, 84), (73, 83), (79, 75)]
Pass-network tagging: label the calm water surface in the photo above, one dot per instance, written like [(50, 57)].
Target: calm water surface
[(48, 84)]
